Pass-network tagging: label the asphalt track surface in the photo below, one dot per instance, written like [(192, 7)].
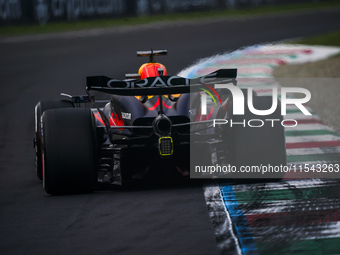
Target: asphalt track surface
[(155, 219)]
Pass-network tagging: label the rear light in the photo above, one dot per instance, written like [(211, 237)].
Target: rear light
[(165, 146)]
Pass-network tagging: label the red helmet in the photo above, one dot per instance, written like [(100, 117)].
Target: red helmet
[(152, 70)]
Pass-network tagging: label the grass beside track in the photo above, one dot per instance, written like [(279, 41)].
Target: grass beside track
[(330, 39), (132, 21), (325, 99), (328, 68)]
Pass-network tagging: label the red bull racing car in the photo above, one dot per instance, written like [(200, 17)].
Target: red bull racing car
[(152, 126)]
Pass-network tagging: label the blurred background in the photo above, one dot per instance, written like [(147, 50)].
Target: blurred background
[(50, 46), (13, 12)]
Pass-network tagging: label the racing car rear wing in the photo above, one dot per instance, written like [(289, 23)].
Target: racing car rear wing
[(151, 54), (160, 85)]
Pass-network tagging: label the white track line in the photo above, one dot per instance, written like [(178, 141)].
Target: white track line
[(297, 184), (225, 237)]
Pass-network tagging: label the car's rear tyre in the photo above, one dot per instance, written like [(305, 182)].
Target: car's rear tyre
[(39, 110), (69, 151), (254, 148)]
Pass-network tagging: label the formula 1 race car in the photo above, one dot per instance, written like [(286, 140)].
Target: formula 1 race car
[(153, 126)]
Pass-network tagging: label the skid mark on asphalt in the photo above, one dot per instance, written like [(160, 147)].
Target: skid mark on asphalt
[(300, 216)]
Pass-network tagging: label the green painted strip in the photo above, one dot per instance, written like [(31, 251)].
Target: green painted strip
[(314, 157), (311, 132), (302, 247), (283, 194), (297, 111)]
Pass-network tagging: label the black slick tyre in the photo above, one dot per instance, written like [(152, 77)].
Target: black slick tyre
[(69, 151), (39, 110)]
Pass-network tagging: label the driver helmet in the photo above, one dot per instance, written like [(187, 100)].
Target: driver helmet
[(152, 70)]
